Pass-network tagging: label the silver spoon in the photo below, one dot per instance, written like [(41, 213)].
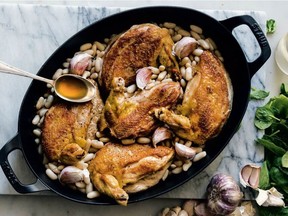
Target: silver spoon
[(70, 87)]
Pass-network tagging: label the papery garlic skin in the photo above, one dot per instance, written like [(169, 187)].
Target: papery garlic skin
[(224, 194), (185, 47), (79, 63), (249, 175)]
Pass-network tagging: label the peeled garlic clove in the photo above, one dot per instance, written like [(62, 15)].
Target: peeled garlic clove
[(161, 134), (70, 175), (249, 175), (184, 151), (185, 47), (79, 63), (143, 76)]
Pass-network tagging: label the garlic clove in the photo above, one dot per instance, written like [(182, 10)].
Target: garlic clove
[(70, 175), (185, 47), (161, 134), (185, 151), (79, 63), (202, 210), (249, 175), (143, 76), (270, 197)]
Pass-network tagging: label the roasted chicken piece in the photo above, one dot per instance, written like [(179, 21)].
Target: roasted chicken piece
[(133, 116), (206, 103), (67, 127), (142, 45), (118, 170)]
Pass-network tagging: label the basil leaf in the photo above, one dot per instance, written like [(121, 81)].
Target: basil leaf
[(258, 94), (264, 180), (272, 211), (271, 146), (278, 177)]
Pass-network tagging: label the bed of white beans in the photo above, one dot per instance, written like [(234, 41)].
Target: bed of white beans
[(97, 50)]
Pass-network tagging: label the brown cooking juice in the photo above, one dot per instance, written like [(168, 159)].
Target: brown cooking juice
[(71, 87)]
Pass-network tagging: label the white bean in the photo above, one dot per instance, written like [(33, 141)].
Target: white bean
[(143, 140), (204, 44), (185, 60), (36, 120), (177, 170), (42, 111), (195, 35), (131, 89), (184, 33), (57, 74), (86, 74), (37, 140), (186, 166), (197, 59), (89, 188), (51, 174), (85, 46), (196, 29), (169, 25), (99, 134), (54, 168), (90, 52), (183, 83), (94, 76), (88, 157), (65, 71), (188, 73), (155, 70), (183, 71), (37, 132), (199, 156), (198, 52), (40, 103), (161, 68), (93, 194), (177, 37), (98, 64), (165, 175), (127, 141), (100, 46), (49, 101), (167, 80), (104, 139), (183, 213), (162, 75), (97, 144)]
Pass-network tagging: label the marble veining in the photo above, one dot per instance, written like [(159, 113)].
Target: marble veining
[(30, 34)]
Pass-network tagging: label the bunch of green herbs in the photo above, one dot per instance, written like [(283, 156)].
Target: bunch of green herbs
[(273, 119)]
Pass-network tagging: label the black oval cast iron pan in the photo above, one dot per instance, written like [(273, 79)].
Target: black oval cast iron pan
[(236, 64)]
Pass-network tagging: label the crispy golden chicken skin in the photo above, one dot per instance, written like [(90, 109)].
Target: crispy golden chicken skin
[(133, 116), (206, 103), (117, 169), (67, 127), (142, 45)]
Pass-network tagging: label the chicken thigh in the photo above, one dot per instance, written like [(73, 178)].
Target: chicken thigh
[(133, 116), (206, 103), (118, 170), (142, 45), (67, 127)]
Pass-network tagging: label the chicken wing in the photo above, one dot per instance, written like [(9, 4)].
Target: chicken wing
[(118, 170), (142, 45), (206, 103)]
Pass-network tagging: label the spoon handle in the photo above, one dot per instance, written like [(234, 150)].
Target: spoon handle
[(6, 68)]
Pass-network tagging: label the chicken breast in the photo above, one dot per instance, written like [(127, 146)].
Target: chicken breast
[(67, 127), (118, 170), (142, 45), (133, 116), (206, 103)]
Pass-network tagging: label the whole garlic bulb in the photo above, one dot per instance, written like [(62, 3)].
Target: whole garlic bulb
[(224, 194)]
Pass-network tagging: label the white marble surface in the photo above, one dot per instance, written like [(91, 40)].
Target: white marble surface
[(43, 31)]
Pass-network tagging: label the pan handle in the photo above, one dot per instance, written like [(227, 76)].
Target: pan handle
[(233, 22), (10, 146)]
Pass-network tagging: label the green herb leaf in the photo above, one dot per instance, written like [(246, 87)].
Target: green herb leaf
[(278, 177), (273, 211), (284, 90), (271, 146), (285, 160), (258, 94), (263, 117), (271, 26), (264, 181)]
